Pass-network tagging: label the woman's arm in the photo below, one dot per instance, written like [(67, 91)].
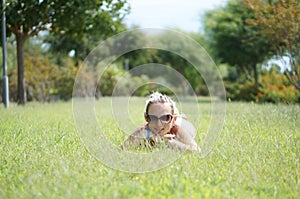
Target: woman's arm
[(135, 139), (185, 136), (186, 128), (174, 143)]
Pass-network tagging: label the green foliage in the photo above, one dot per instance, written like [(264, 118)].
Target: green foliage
[(62, 17), (63, 78), (10, 55), (109, 79), (233, 40), (240, 91), (274, 87), (118, 82), (74, 19), (256, 156), (279, 20), (98, 20), (180, 62), (46, 80)]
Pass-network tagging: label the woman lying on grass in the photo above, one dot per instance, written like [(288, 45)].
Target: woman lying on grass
[(163, 122)]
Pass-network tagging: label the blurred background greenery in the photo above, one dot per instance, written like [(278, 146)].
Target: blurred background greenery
[(255, 45)]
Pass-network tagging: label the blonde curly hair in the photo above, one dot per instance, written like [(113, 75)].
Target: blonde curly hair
[(157, 97)]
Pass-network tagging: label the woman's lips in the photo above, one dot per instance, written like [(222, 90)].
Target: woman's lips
[(161, 132)]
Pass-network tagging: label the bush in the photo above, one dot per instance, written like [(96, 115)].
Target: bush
[(274, 87), (63, 81), (109, 79), (44, 80)]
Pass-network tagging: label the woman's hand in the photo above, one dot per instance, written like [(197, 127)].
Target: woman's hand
[(169, 136)]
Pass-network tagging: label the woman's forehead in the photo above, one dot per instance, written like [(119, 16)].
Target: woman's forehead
[(160, 108)]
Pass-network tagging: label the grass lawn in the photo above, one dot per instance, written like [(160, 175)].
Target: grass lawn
[(257, 155)]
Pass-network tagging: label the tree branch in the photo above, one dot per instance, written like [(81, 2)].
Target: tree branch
[(296, 84), (37, 29)]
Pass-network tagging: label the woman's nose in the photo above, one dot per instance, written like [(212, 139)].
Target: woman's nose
[(158, 122)]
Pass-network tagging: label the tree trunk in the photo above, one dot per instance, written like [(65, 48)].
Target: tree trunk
[(21, 78), (255, 75), (248, 76)]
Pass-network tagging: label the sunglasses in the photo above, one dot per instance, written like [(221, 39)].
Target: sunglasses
[(163, 119)]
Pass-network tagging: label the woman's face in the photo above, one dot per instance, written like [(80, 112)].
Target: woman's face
[(161, 119)]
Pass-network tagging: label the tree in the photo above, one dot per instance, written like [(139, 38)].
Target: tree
[(73, 18), (233, 40), (280, 21), (182, 64)]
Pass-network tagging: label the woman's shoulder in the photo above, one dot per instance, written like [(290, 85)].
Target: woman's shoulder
[(185, 127), (141, 129)]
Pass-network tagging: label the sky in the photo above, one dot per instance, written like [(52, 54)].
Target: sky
[(185, 15)]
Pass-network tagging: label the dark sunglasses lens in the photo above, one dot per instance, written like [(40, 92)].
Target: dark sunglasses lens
[(166, 118), (153, 118)]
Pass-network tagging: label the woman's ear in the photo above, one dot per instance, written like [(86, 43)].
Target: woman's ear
[(175, 118), (145, 116)]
